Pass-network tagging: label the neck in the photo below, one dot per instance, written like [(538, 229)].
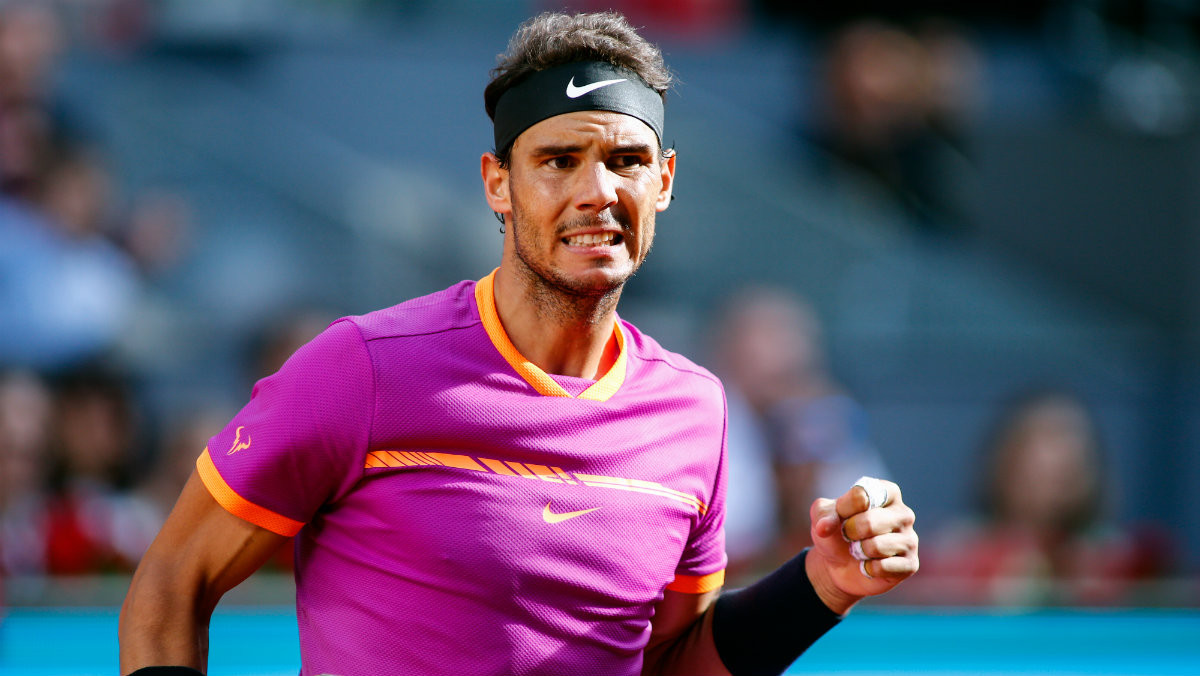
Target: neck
[(561, 333)]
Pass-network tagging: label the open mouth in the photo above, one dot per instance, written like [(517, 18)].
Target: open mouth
[(594, 239)]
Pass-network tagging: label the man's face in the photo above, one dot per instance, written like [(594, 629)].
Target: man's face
[(584, 190)]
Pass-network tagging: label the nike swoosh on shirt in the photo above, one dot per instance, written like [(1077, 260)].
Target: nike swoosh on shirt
[(550, 517), (575, 92)]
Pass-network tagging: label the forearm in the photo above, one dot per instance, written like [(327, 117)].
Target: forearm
[(161, 624), (763, 628), (201, 552), (760, 629)]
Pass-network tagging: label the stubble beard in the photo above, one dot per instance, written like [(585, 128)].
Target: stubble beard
[(555, 296)]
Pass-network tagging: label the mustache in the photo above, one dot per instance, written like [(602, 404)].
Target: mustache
[(602, 219)]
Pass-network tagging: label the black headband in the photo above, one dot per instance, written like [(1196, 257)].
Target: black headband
[(572, 87)]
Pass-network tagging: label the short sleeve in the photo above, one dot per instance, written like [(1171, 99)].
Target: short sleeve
[(301, 441), (702, 565)]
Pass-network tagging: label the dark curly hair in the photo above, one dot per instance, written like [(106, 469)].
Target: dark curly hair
[(552, 39)]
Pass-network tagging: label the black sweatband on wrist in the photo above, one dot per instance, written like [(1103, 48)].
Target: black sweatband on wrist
[(167, 671), (763, 628)]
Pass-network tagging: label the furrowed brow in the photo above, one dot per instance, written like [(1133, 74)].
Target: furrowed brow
[(554, 150), (632, 149)]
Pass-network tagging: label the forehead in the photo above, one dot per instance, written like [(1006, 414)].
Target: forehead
[(585, 128)]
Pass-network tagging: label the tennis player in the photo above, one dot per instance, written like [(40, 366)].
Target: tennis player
[(503, 477)]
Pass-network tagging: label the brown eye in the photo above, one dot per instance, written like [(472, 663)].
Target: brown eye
[(625, 161)]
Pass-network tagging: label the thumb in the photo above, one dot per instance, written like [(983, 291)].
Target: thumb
[(825, 520)]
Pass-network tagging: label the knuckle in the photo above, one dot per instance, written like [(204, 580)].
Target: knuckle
[(860, 500), (893, 492), (870, 523)]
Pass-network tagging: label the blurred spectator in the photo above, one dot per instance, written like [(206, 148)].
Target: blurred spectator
[(30, 43), (26, 138), (157, 232), (94, 523), (62, 300), (25, 409), (1043, 536), (896, 102), (31, 118), (75, 193), (794, 433), (66, 292)]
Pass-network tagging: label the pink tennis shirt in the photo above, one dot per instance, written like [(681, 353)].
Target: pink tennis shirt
[(459, 511)]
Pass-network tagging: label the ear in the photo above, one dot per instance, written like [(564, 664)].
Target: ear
[(495, 184), (667, 169)]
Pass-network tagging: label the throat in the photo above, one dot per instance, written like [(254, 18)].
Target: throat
[(579, 357), (566, 334)]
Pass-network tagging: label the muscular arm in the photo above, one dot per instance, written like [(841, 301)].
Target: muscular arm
[(201, 552)]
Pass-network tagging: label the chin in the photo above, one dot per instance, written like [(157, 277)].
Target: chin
[(594, 283)]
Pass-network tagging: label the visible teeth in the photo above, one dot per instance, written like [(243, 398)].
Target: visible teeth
[(604, 238)]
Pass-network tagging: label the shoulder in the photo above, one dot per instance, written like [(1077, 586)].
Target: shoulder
[(647, 352), (345, 344), (446, 310)]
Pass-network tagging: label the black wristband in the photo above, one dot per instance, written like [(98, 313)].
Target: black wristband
[(761, 629), (167, 671)]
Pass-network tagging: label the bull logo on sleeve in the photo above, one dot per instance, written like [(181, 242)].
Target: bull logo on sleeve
[(238, 444)]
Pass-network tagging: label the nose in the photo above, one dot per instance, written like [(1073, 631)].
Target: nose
[(595, 190)]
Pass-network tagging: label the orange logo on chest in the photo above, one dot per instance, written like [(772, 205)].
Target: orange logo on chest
[(551, 517)]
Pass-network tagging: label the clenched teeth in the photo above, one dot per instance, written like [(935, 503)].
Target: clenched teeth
[(597, 239)]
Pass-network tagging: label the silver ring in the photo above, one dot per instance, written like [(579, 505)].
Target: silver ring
[(856, 551), (877, 492)]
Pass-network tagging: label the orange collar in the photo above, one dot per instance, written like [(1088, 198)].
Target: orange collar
[(601, 390)]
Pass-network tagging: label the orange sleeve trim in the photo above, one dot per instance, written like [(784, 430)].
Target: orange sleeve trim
[(239, 506), (698, 584)]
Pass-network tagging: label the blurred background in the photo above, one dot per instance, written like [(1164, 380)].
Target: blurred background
[(954, 245)]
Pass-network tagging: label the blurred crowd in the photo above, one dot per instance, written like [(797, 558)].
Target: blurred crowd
[(897, 100), (1043, 532), (82, 487), (86, 477), (77, 251)]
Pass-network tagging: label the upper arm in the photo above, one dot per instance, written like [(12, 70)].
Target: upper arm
[(681, 636), (201, 552), (202, 549)]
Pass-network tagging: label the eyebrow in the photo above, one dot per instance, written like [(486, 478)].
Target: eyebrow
[(552, 150), (627, 149), (632, 149)]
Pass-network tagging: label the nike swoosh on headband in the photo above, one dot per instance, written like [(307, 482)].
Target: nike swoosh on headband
[(575, 92)]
